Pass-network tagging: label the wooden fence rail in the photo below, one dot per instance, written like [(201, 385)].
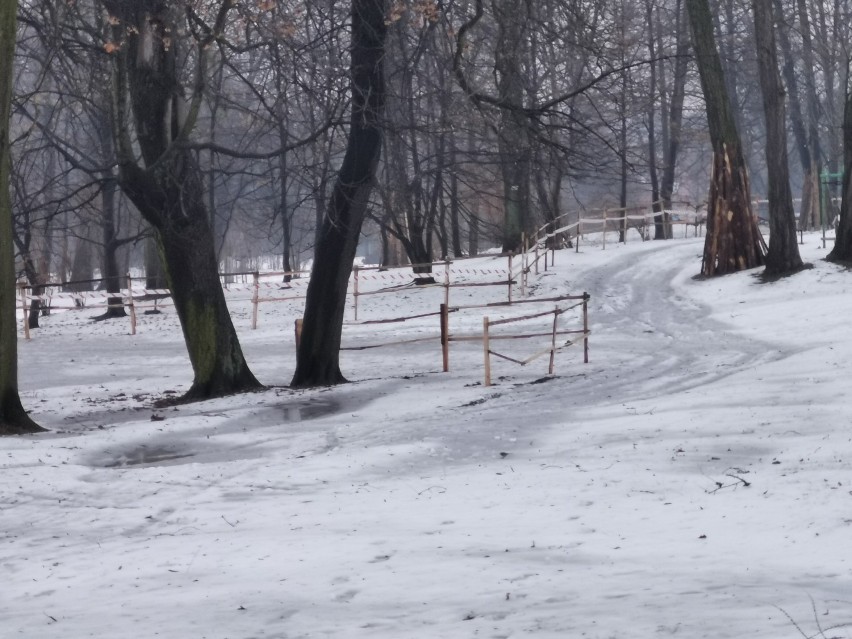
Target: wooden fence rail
[(487, 337)]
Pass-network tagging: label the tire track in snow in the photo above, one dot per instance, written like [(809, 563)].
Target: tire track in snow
[(648, 339)]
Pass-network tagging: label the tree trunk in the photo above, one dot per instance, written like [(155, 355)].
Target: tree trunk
[(111, 274), (674, 122), (214, 350), (783, 254), (13, 418), (455, 205), (318, 354), (284, 209), (842, 251), (169, 193), (733, 239), (513, 142), (659, 227), (82, 265), (155, 273), (797, 119), (625, 165), (36, 280), (473, 233)]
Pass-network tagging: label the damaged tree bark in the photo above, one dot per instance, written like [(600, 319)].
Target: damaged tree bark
[(733, 241)]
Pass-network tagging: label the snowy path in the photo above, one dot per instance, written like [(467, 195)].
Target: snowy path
[(609, 501), (662, 341)]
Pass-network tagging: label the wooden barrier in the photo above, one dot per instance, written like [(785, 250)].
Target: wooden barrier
[(446, 284), (486, 336)]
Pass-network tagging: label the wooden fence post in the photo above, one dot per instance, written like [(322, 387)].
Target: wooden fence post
[(536, 259), (255, 298), (510, 276), (131, 304), (486, 348), (445, 336), (604, 231), (585, 328), (553, 341), (23, 288), (446, 282), (355, 290)]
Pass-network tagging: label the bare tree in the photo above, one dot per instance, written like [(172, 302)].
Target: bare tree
[(733, 241), (672, 96), (318, 354), (842, 251), (783, 254), (13, 418), (168, 188)]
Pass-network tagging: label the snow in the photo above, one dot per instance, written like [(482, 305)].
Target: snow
[(692, 480)]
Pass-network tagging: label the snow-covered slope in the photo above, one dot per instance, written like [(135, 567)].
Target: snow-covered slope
[(692, 480)]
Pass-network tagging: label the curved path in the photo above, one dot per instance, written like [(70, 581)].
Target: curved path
[(649, 338)]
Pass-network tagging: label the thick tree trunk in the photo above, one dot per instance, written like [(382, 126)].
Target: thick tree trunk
[(169, 194), (177, 210), (842, 251), (733, 239), (13, 418), (214, 350), (783, 254), (318, 354)]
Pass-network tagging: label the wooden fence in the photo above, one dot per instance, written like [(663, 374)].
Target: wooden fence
[(486, 337)]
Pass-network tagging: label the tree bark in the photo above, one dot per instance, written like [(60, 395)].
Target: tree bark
[(169, 192), (811, 189), (783, 255), (513, 141), (674, 122), (659, 226), (733, 241), (111, 273), (318, 354), (797, 119), (842, 251), (13, 418)]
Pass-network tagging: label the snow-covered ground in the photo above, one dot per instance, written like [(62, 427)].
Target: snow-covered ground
[(692, 480)]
